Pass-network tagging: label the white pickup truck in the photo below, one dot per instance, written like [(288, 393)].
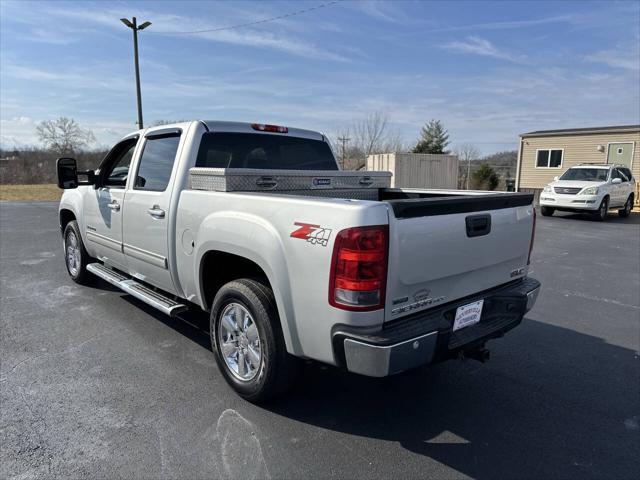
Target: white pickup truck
[(294, 258)]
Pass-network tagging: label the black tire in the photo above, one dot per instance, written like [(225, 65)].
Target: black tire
[(628, 206), (547, 211), (77, 260), (277, 369), (601, 214)]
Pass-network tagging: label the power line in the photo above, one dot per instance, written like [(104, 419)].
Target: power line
[(257, 22)]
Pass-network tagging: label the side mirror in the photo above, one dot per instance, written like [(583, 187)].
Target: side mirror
[(67, 173), (555, 179), (615, 181)]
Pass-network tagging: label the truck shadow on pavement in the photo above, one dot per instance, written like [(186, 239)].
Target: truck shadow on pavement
[(551, 403)]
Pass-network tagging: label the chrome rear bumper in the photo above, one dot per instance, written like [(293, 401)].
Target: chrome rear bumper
[(380, 361), (427, 337)]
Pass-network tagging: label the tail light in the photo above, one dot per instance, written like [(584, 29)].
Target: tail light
[(269, 128), (359, 268), (533, 236)]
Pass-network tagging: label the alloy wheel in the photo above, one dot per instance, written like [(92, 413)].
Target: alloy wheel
[(72, 254), (239, 342)]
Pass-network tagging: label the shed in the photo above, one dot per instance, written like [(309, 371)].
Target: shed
[(417, 170)]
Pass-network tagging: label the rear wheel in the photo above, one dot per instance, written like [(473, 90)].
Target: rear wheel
[(247, 340), (601, 214), (75, 256), (547, 211), (628, 206)]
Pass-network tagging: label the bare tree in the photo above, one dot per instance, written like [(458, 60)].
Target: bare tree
[(467, 152), (64, 136), (367, 137)]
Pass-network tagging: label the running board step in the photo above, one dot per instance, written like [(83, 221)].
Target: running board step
[(137, 290)]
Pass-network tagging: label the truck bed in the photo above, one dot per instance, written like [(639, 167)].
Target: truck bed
[(357, 185)]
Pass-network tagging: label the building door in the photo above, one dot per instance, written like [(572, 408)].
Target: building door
[(620, 153)]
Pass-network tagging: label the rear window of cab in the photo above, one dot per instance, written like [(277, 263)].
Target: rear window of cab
[(264, 151)]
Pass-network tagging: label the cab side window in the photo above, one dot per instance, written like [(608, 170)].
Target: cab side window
[(117, 164), (156, 162)]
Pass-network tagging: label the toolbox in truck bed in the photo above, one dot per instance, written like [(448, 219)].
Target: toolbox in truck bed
[(285, 181)]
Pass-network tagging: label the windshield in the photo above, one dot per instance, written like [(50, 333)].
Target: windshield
[(586, 174), (253, 150)]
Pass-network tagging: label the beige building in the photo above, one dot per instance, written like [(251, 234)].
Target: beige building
[(548, 153), (417, 170)]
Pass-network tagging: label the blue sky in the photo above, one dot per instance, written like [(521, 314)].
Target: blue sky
[(488, 70)]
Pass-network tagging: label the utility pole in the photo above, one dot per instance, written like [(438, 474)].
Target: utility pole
[(344, 141), (468, 170), (133, 25)]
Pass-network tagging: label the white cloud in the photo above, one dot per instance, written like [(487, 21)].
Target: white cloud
[(170, 25), (382, 11), (482, 47), (628, 60)]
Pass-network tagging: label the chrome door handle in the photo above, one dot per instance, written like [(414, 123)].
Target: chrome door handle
[(156, 212), (114, 206)]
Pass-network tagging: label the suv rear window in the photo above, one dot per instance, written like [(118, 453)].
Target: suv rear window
[(257, 150), (586, 174)]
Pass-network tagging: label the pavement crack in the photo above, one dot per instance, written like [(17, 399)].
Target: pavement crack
[(52, 354)]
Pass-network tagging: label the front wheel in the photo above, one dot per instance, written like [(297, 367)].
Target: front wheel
[(601, 214), (75, 256), (247, 340), (628, 206), (547, 211)]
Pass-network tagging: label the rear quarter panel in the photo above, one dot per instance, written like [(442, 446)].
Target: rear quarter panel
[(259, 227)]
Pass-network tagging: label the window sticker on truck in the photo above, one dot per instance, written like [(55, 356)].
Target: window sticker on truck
[(314, 234)]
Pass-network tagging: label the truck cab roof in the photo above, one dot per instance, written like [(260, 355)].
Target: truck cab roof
[(236, 127)]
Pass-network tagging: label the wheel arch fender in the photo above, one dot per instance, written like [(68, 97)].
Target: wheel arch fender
[(255, 239), (71, 205)]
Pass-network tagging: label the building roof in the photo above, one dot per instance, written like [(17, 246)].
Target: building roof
[(583, 131)]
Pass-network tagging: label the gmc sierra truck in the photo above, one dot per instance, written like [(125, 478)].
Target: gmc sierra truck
[(293, 258)]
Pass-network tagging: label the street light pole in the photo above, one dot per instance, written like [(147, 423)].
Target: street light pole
[(133, 25)]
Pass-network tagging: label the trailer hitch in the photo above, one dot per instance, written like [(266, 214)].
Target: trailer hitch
[(480, 354)]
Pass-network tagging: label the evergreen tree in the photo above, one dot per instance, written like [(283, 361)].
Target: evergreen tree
[(485, 178), (434, 139)]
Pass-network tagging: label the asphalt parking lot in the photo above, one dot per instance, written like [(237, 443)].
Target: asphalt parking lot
[(95, 384)]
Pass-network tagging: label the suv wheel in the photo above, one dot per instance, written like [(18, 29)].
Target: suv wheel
[(601, 214), (247, 340), (626, 211), (547, 211)]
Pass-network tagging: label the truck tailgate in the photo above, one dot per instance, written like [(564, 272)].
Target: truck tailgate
[(442, 249)]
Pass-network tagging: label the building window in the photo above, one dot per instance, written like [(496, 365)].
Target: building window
[(619, 150), (549, 158)]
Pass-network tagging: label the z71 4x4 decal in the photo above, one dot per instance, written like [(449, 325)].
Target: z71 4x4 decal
[(314, 234)]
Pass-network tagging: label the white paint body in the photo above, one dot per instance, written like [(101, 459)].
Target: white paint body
[(426, 254)]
